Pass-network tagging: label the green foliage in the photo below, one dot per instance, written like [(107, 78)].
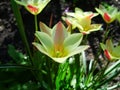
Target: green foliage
[(18, 57)]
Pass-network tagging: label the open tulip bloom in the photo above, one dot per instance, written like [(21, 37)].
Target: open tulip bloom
[(82, 20), (111, 52), (108, 13), (57, 43), (33, 6)]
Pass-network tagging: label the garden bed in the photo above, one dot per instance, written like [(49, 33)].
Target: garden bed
[(9, 33)]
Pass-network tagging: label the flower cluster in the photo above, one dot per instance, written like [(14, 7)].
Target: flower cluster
[(82, 20)]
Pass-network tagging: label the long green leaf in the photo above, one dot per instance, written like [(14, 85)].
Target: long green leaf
[(16, 66), (20, 24)]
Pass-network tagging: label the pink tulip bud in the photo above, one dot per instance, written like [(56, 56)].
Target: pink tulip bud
[(32, 8), (107, 17), (106, 53)]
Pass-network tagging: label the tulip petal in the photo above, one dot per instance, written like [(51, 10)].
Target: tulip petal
[(70, 14), (40, 48), (45, 40), (32, 9), (24, 3), (42, 4), (109, 46), (78, 50), (107, 17), (99, 11), (72, 41), (107, 54), (78, 10), (93, 27), (60, 60), (72, 21), (45, 28), (59, 33), (103, 46), (116, 52)]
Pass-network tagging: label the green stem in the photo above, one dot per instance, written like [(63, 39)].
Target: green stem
[(50, 72), (106, 33), (21, 28), (36, 24), (78, 74)]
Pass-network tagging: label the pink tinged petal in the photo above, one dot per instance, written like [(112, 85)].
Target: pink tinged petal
[(67, 22), (84, 33), (91, 15), (45, 28), (72, 22), (107, 54), (32, 9), (59, 36), (107, 17)]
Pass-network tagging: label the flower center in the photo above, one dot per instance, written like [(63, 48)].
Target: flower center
[(59, 51)]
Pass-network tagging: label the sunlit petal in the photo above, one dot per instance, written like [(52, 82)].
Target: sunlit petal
[(72, 41), (45, 40), (45, 28)]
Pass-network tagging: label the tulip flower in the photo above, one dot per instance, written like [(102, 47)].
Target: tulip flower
[(82, 20), (57, 43), (33, 6), (109, 13), (111, 52)]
